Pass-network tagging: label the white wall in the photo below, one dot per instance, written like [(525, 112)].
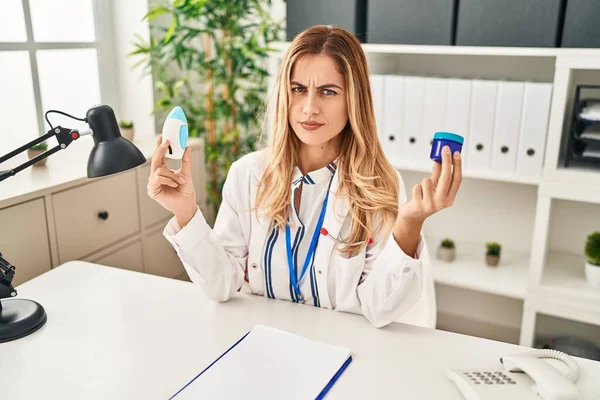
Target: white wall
[(571, 222), (278, 9), (135, 90)]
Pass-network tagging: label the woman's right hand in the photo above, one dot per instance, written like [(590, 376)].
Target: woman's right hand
[(174, 190)]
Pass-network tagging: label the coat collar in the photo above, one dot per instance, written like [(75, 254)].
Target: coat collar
[(334, 216)]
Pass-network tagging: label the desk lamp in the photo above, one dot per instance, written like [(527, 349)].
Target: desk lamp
[(111, 154)]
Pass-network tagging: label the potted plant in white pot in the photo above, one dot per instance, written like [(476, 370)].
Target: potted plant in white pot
[(35, 151), (492, 256), (127, 130), (447, 250), (592, 255)]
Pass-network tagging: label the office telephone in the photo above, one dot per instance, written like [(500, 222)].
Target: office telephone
[(525, 376)]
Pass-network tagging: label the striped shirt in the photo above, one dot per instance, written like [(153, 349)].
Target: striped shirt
[(315, 186)]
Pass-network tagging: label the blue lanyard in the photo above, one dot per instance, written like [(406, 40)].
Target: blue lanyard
[(311, 249)]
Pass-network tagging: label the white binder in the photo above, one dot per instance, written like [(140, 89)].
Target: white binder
[(534, 125), (378, 93), (506, 127), (413, 148), (434, 116), (481, 126), (393, 111), (458, 108)]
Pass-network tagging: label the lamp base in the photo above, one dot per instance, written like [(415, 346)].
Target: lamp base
[(19, 318)]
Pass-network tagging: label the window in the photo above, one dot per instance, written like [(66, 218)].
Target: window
[(52, 56)]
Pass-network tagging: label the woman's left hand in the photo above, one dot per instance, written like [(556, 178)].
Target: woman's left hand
[(435, 193)]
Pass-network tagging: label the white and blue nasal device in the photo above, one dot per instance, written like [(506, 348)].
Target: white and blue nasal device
[(175, 130)]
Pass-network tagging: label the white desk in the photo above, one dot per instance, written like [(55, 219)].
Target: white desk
[(116, 334)]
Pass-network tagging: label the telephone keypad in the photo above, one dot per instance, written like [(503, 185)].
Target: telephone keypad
[(489, 378)]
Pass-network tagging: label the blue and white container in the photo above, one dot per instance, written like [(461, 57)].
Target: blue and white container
[(441, 139), (175, 129)]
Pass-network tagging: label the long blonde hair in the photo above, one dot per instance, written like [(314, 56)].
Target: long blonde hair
[(365, 174)]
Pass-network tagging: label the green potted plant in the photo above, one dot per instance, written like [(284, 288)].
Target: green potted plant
[(35, 151), (211, 58), (127, 129), (447, 250), (492, 255), (592, 255)]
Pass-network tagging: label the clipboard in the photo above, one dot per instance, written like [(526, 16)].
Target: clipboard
[(287, 365)]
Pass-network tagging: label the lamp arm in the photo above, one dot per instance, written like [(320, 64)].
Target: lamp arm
[(37, 140), (65, 137)]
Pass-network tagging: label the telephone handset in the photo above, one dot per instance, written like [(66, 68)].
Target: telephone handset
[(525, 377)]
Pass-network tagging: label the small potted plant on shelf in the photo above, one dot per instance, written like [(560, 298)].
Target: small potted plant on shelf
[(127, 129), (592, 255), (447, 250), (35, 151), (492, 256)]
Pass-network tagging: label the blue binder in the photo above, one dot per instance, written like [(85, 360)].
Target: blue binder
[(319, 397)]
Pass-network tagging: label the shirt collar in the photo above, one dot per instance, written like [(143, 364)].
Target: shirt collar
[(314, 177)]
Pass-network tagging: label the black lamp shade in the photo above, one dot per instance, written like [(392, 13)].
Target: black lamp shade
[(111, 153)]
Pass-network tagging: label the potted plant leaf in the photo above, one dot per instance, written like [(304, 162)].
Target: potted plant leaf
[(447, 250), (492, 256), (211, 58), (35, 151), (592, 255), (127, 129)]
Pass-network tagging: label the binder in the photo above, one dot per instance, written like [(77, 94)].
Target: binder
[(377, 89), (393, 110), (434, 116), (533, 129), (458, 108), (265, 364), (413, 148), (506, 127), (481, 125)]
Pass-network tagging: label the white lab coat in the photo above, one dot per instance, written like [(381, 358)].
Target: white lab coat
[(381, 282)]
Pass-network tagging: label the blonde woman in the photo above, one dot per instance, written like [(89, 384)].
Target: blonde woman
[(320, 217)]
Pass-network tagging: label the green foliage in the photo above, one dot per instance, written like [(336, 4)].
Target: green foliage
[(126, 124), (211, 60), (493, 248), (447, 243), (40, 146), (592, 248)]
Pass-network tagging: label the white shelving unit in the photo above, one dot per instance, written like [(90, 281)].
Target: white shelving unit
[(547, 280), (468, 272)]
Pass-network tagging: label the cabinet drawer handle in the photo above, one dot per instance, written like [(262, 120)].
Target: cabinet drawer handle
[(103, 215), (504, 149)]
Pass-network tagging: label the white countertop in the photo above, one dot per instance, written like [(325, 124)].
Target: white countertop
[(117, 334)]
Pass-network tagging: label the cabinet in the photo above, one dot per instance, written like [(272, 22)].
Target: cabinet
[(95, 215), (53, 214), (129, 257), (160, 257), (24, 239)]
